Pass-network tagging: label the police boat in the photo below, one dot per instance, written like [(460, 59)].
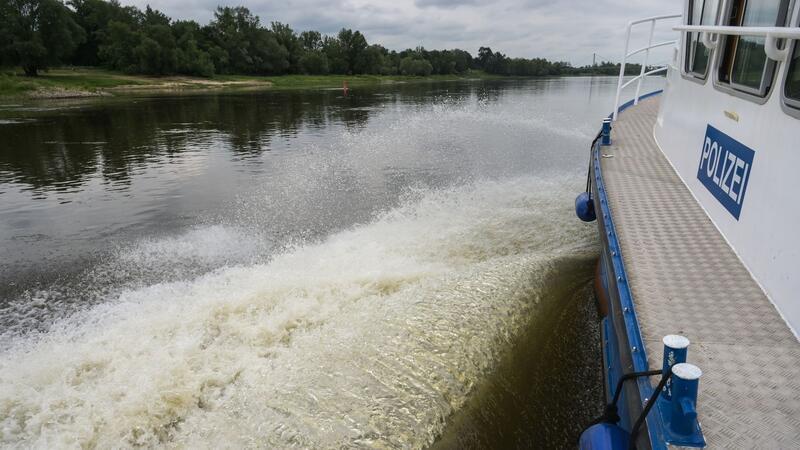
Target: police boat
[(694, 192)]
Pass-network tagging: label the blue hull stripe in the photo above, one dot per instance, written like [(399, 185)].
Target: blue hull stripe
[(638, 356)]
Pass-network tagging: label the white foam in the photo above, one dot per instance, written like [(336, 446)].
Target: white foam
[(204, 245), (372, 337)]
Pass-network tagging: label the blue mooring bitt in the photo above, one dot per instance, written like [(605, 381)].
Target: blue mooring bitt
[(605, 134), (679, 415), (677, 407), (684, 402), (675, 349), (677, 404)]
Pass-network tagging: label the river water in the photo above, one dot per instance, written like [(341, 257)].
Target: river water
[(400, 267)]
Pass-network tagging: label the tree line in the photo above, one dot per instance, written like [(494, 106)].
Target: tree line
[(37, 34)]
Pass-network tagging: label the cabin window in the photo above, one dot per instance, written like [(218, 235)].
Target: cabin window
[(701, 12), (791, 89), (745, 65)]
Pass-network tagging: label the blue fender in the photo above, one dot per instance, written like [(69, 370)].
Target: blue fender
[(604, 436), (584, 207)]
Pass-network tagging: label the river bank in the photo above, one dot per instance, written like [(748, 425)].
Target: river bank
[(402, 266), (93, 82)]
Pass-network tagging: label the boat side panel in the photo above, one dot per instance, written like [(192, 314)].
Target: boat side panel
[(625, 348), (764, 236)]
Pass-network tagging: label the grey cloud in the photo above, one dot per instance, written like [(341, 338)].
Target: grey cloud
[(444, 3), (568, 30)]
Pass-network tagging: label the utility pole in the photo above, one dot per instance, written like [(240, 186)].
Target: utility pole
[(594, 59)]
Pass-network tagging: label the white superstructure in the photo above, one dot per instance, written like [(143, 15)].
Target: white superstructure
[(729, 123)]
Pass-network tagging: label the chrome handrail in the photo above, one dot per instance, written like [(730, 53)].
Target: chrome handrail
[(648, 73), (778, 32), (770, 35), (660, 44), (643, 73)]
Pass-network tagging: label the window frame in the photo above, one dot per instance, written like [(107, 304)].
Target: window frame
[(688, 48), (792, 105), (768, 74)]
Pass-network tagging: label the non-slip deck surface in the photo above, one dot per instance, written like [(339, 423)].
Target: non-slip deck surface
[(685, 279)]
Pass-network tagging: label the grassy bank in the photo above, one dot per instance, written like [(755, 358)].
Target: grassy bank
[(328, 81), (90, 82)]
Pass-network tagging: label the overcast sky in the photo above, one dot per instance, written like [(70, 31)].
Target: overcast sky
[(567, 30)]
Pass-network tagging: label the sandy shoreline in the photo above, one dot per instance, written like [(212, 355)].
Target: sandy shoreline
[(169, 84)]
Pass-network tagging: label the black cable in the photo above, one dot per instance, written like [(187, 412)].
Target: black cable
[(589, 172), (628, 376), (647, 408), (611, 415)]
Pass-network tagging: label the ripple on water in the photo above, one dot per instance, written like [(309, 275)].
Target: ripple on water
[(374, 336)]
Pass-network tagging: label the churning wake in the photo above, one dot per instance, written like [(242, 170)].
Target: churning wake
[(371, 337)]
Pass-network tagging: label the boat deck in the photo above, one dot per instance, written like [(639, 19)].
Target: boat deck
[(685, 279)]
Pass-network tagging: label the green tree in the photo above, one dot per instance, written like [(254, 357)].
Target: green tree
[(231, 30), (94, 17), (484, 54), (415, 66), (249, 47), (391, 63), (117, 50), (372, 60), (267, 55), (143, 44), (314, 63), (311, 41), (463, 60), (313, 59), (155, 17), (334, 53), (191, 59), (287, 38), (495, 63), (353, 46), (157, 52), (37, 34)]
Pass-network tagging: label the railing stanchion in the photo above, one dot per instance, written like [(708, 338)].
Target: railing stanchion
[(622, 69), (643, 73), (644, 64)]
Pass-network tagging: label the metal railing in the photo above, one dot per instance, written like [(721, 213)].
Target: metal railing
[(770, 35), (646, 49)]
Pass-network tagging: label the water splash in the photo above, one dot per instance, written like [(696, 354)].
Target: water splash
[(371, 337), (146, 262)]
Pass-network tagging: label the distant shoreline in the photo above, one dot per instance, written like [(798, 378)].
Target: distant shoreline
[(85, 82), (93, 82)]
